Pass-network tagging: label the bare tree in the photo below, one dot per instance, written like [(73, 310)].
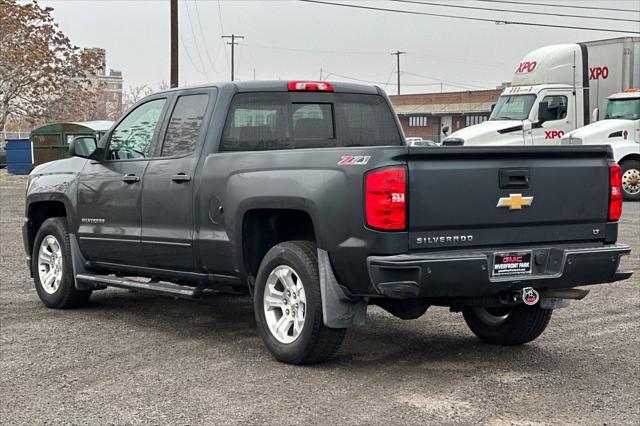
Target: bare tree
[(134, 93), (41, 73)]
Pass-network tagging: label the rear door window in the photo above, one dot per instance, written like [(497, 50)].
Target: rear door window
[(271, 121), (183, 131)]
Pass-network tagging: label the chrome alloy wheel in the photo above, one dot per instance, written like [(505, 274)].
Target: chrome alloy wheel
[(631, 181), (285, 304), (50, 264)]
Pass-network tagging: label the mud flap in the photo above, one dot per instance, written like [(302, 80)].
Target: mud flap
[(338, 310), (78, 262)]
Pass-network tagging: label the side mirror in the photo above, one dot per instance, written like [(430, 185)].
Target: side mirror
[(82, 146), (445, 130), (543, 112), (594, 115), (493, 106)]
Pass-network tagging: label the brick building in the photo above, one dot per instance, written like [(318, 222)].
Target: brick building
[(426, 115), (110, 82)]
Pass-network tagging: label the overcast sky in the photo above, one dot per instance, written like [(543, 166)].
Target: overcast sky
[(295, 40)]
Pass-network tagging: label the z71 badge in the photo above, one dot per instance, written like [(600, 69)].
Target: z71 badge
[(354, 160)]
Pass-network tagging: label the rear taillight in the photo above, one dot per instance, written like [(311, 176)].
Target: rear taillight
[(310, 86), (386, 199), (615, 192)]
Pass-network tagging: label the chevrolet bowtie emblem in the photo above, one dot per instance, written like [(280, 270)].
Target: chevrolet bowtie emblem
[(514, 201)]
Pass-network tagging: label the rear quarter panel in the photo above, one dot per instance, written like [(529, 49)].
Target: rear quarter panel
[(308, 180)]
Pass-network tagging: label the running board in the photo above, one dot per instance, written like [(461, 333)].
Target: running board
[(162, 288)]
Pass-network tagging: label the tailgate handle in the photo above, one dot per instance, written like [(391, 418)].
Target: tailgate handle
[(514, 178)]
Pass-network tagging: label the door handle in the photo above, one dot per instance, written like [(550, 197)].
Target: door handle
[(180, 177), (514, 178), (130, 178)]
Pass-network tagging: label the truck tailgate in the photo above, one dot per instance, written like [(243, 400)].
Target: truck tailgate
[(493, 196)]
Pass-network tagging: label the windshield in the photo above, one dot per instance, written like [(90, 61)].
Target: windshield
[(513, 107), (628, 109)]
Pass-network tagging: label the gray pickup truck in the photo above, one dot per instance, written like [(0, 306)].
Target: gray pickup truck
[(306, 196)]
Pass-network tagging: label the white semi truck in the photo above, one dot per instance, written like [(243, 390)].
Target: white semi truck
[(620, 128), (556, 89)]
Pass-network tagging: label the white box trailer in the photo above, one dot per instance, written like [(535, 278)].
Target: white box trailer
[(556, 89)]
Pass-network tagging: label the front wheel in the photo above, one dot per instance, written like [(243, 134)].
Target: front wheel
[(52, 268), (513, 325), (288, 305), (631, 180)]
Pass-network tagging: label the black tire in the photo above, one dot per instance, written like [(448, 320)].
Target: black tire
[(66, 295), (522, 323), (315, 342), (408, 309), (633, 167)]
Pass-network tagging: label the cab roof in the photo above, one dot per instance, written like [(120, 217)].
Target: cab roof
[(626, 95), (282, 86)]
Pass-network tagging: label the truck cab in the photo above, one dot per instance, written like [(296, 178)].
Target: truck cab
[(619, 129), (524, 115), (554, 90)]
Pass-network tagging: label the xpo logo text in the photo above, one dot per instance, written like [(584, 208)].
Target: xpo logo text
[(526, 66), (553, 134), (596, 73)]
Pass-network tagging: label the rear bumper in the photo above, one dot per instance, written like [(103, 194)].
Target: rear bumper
[(468, 273)]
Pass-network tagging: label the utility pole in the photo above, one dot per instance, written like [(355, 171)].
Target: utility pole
[(397, 53), (233, 43), (174, 43)]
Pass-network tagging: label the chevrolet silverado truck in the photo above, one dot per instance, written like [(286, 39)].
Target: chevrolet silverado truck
[(306, 196)]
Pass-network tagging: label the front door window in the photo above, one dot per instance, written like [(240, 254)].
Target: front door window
[(132, 137)]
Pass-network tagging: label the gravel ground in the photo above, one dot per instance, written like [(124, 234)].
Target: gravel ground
[(138, 358)]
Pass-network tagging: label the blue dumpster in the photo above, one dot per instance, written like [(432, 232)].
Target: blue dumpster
[(18, 156)]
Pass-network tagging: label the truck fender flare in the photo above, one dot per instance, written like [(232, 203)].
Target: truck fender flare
[(338, 310)]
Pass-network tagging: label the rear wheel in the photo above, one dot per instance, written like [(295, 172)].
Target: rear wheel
[(52, 267), (631, 180), (509, 325), (288, 305)]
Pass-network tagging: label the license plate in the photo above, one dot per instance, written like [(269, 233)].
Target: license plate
[(512, 263)]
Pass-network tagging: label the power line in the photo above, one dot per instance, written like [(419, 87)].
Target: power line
[(293, 49), (204, 39), (404, 84), (427, 3), (448, 82), (193, 63), (388, 80), (372, 52), (226, 57), (195, 40), (468, 18), (370, 81), (562, 5)]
